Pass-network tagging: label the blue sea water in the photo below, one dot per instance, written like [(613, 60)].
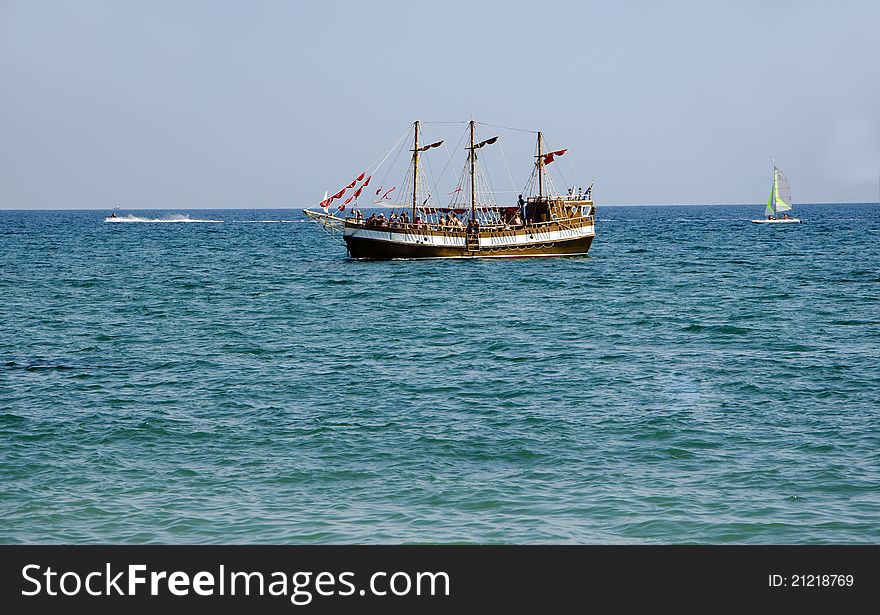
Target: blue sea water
[(697, 378)]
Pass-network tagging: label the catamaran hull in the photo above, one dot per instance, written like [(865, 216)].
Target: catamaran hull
[(783, 221), (368, 248)]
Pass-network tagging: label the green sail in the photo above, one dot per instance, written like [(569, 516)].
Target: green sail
[(770, 203)]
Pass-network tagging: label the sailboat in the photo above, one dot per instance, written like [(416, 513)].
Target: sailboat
[(544, 223), (779, 201)]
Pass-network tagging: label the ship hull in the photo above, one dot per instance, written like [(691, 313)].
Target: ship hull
[(383, 244)]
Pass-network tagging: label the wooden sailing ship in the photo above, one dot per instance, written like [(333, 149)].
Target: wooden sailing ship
[(539, 224)]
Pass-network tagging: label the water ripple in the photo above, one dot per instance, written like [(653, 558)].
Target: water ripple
[(695, 379)]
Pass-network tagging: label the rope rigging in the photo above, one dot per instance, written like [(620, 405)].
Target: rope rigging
[(428, 190)]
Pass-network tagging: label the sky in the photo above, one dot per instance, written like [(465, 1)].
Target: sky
[(267, 104)]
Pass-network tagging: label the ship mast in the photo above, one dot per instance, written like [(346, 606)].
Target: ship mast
[(415, 172), (473, 175), (540, 165)]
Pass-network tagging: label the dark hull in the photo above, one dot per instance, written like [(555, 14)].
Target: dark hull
[(360, 247)]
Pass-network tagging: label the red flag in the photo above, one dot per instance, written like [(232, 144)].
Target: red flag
[(427, 147), (339, 194), (378, 190), (454, 191), (548, 158), (358, 191), (367, 183), (361, 176), (347, 201), (385, 196), (326, 202), (353, 182), (486, 142)]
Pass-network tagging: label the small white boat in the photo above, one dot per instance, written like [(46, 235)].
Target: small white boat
[(779, 201), (778, 221)]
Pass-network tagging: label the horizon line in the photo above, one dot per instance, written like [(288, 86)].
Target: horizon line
[(302, 207)]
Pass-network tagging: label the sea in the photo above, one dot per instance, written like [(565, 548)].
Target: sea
[(231, 376)]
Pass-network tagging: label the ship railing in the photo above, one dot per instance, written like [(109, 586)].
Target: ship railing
[(410, 226)]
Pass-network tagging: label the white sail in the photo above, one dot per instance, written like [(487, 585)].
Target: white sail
[(781, 191)]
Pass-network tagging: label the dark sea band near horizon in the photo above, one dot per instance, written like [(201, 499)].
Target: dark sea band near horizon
[(696, 378)]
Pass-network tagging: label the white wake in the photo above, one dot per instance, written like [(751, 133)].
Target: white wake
[(167, 219)]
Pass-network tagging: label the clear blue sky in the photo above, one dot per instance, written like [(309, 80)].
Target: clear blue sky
[(184, 104)]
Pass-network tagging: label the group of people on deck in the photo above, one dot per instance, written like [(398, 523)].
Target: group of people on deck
[(507, 219), (394, 220), (450, 219)]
